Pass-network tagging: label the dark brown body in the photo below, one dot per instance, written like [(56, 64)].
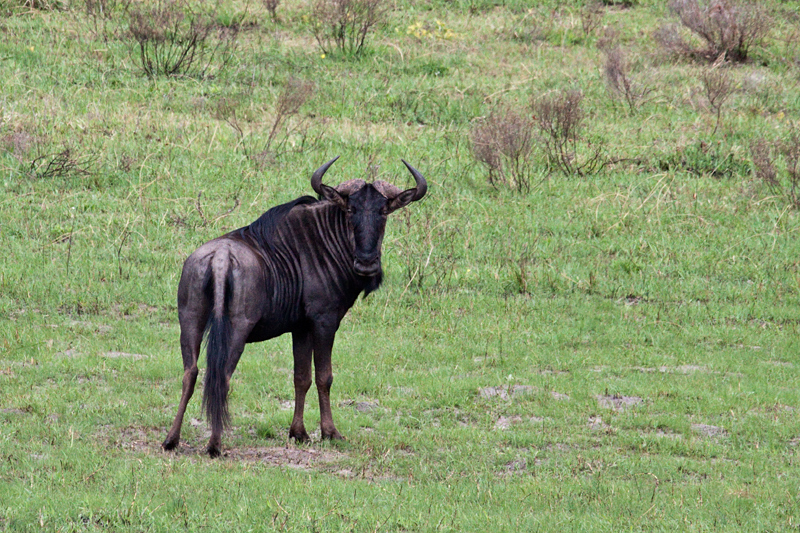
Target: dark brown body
[(297, 269)]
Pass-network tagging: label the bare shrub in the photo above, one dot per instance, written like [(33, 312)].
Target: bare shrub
[(718, 87), (103, 15), (783, 180), (560, 121), (272, 7), (345, 24), (296, 93), (728, 28), (592, 16), (619, 82), (42, 5), (63, 164), (175, 39), (609, 39), (764, 164), (503, 143), (293, 96)]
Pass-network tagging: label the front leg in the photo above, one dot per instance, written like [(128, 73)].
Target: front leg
[(323, 373), (302, 345)]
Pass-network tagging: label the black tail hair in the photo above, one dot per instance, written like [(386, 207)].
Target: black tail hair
[(218, 335)]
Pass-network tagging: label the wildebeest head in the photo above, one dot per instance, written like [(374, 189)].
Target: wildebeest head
[(366, 206)]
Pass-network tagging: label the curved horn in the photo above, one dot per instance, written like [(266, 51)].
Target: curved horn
[(316, 177), (422, 185)]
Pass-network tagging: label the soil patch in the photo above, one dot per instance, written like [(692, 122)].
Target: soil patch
[(124, 355), (148, 440), (708, 430), (506, 392), (617, 402)]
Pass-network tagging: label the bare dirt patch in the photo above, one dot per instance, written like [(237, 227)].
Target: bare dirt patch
[(124, 355), (596, 424), (506, 392), (708, 430), (618, 403), (148, 440)]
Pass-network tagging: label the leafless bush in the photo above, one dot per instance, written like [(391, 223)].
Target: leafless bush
[(503, 143), (272, 7), (41, 5), (718, 87), (592, 16), (764, 164), (560, 121), (103, 15), (609, 39), (292, 97), (784, 180), (728, 28), (173, 38), (63, 164), (619, 81), (296, 93), (345, 24)]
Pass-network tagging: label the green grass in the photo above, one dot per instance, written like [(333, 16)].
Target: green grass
[(476, 388)]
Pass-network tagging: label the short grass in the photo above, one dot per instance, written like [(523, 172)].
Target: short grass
[(615, 352)]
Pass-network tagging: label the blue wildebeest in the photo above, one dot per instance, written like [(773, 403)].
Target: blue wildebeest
[(298, 269)]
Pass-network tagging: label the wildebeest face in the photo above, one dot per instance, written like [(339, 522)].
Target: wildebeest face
[(366, 210), (366, 206)]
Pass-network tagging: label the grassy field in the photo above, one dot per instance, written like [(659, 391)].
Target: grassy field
[(608, 352)]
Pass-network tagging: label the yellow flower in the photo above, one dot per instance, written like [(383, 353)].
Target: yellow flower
[(322, 56)]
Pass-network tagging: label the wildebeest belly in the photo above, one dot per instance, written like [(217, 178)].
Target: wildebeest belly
[(268, 329)]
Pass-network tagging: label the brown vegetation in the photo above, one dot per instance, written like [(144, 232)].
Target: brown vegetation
[(728, 28)]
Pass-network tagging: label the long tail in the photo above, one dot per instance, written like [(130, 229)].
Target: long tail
[(218, 328)]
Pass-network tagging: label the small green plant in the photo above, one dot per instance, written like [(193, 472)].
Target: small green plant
[(439, 30), (345, 24), (174, 38)]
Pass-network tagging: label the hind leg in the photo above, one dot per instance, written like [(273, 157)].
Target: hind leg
[(191, 338), (234, 354)]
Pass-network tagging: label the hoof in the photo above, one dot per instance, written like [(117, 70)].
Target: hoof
[(333, 435), (299, 436), (170, 444), (213, 452)]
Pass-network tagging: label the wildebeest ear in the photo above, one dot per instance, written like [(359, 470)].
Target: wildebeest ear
[(329, 193), (401, 200)]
